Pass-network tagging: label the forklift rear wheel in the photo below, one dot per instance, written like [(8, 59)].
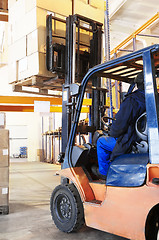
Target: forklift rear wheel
[(67, 208), (152, 225)]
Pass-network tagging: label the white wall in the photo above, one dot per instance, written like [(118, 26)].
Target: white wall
[(32, 121), (32, 132), (18, 135)]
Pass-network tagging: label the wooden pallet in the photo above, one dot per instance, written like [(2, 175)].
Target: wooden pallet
[(4, 210), (43, 84)]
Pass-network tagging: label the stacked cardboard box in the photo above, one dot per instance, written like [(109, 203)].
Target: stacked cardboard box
[(4, 4), (27, 41), (4, 169)]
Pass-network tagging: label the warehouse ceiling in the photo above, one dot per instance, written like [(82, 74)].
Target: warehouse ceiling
[(126, 16)]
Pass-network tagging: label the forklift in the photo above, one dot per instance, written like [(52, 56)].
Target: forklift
[(127, 202)]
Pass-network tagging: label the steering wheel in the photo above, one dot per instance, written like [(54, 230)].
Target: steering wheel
[(106, 123)]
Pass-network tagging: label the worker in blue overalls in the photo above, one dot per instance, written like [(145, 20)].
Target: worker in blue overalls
[(122, 132)]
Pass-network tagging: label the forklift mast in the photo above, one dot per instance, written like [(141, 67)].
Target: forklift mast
[(72, 71), (73, 61)]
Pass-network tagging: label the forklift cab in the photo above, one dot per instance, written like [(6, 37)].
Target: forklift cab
[(127, 203)]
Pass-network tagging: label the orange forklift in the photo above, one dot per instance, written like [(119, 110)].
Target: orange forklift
[(127, 202)]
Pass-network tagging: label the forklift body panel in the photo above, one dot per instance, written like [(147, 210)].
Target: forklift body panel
[(119, 210)]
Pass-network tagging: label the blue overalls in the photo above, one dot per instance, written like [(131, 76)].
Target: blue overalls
[(122, 129)]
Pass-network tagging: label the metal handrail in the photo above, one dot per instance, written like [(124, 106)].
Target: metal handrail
[(134, 34)]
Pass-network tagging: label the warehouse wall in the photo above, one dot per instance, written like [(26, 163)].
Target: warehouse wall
[(3, 43), (30, 124)]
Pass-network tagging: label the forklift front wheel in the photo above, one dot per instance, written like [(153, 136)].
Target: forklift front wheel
[(67, 208)]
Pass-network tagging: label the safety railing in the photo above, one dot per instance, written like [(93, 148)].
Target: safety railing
[(137, 33)]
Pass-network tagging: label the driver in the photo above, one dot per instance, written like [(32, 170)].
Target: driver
[(122, 132)]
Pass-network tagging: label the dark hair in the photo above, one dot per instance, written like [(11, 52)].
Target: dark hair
[(139, 80)]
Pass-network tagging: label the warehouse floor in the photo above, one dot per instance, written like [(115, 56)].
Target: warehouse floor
[(31, 185)]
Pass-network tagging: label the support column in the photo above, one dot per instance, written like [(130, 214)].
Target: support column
[(107, 54), (152, 109)]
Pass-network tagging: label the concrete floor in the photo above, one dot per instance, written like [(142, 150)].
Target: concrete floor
[(31, 185)]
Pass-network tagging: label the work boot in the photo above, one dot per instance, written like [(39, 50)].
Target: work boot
[(95, 171)]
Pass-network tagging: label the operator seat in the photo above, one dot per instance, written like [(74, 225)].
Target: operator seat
[(141, 131), (129, 170)]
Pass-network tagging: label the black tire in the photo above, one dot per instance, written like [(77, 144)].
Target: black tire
[(67, 208), (152, 226)]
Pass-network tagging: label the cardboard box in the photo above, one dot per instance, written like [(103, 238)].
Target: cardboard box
[(12, 71), (96, 4), (16, 10), (17, 50), (29, 5), (27, 67), (28, 33), (41, 16), (23, 26), (22, 69), (4, 176), (60, 6), (26, 16), (36, 41), (30, 21), (4, 157), (32, 42), (4, 196), (94, 10), (42, 66), (4, 4), (4, 139), (35, 64)]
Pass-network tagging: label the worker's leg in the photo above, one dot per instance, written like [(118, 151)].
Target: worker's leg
[(105, 147)]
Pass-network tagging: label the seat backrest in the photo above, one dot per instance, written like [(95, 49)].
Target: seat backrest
[(141, 126), (141, 131)]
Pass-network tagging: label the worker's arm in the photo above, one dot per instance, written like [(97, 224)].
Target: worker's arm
[(123, 117)]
